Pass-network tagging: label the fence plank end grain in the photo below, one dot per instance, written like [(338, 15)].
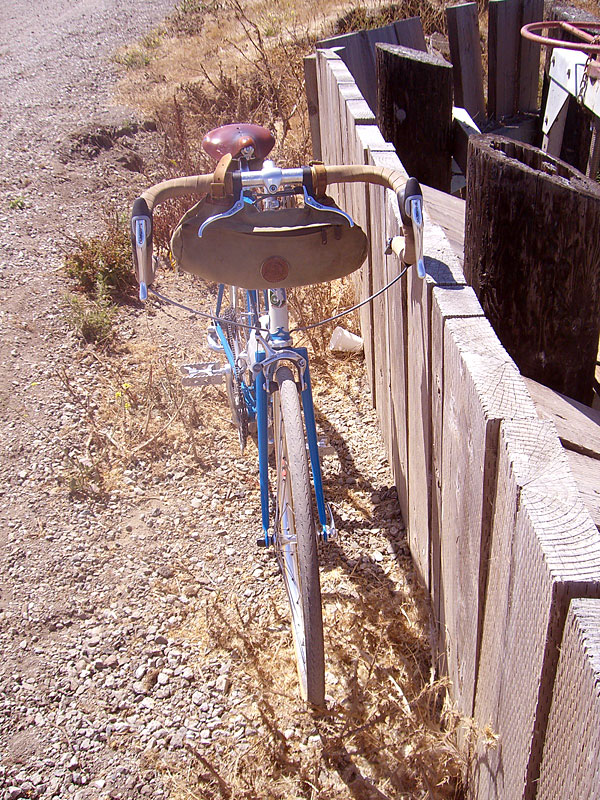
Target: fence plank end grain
[(421, 132), (465, 54), (447, 303), (571, 761), (545, 550), (482, 386)]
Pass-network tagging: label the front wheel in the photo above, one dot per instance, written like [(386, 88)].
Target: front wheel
[(295, 538)]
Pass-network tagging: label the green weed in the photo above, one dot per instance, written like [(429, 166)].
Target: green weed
[(188, 17), (133, 58), (91, 319), (17, 203), (103, 260)]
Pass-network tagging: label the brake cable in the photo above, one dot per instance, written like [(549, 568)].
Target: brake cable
[(298, 329)]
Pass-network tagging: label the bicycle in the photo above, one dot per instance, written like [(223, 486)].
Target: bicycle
[(268, 379)]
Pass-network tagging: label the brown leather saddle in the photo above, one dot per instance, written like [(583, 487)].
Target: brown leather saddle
[(240, 141)]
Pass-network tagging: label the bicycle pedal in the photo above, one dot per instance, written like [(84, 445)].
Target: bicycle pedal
[(331, 536), (203, 374), (260, 542)]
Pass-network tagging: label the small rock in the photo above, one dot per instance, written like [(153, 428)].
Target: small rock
[(166, 572), (377, 556)]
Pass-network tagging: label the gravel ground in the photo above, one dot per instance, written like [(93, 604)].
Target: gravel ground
[(103, 665)]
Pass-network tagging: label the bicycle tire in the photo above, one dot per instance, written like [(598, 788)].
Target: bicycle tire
[(295, 538)]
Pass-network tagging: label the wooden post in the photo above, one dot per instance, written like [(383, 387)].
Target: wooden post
[(529, 59), (532, 254), (503, 50), (312, 98), (414, 111), (465, 53), (409, 33)]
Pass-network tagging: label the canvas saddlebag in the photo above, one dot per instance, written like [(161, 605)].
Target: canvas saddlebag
[(273, 248)]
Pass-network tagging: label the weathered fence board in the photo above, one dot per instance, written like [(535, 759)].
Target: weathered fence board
[(397, 325), (449, 213), (420, 132), (384, 227), (409, 33), (465, 54), (578, 425), (571, 762), (509, 541), (380, 339), (586, 471), (482, 386), (358, 51), (545, 551), (451, 302)]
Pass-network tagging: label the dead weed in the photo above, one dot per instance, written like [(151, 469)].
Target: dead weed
[(137, 411)]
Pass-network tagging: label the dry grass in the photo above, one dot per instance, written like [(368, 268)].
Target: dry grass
[(311, 304), (138, 410), (359, 17)]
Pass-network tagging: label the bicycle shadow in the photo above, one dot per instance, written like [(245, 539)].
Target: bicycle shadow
[(377, 627), (386, 516), (379, 657)]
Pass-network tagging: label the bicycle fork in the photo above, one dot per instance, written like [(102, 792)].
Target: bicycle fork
[(264, 370)]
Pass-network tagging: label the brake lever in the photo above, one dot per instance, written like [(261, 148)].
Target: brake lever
[(412, 213), (416, 216), (141, 240)]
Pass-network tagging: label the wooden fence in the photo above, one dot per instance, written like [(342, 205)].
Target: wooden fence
[(496, 526)]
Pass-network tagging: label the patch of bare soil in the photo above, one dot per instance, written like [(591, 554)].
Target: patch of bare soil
[(145, 639)]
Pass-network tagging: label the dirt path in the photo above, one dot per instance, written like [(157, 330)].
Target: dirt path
[(144, 640)]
